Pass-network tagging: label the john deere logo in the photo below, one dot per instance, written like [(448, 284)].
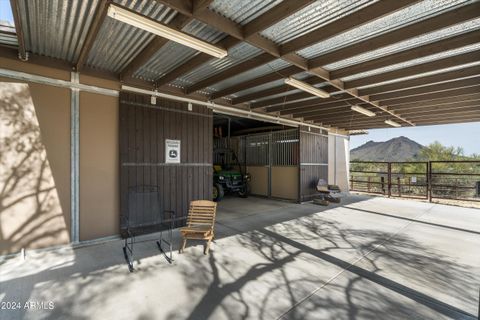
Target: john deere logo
[(173, 153)]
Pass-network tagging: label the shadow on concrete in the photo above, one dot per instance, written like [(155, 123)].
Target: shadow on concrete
[(407, 257), (217, 283)]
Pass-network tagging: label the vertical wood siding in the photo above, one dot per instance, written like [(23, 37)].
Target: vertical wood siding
[(143, 130)]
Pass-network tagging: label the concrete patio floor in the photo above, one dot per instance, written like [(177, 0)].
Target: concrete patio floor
[(367, 258)]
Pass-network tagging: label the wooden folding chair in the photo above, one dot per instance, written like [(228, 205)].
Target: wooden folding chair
[(200, 223)]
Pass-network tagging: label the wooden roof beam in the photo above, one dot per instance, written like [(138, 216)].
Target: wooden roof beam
[(284, 88), (454, 42), (274, 15), (100, 14), (349, 115), (413, 83), (309, 103), (221, 23), (430, 96), (419, 123), (439, 102), (437, 117), (291, 98), (276, 75), (194, 63), (437, 22), (271, 17), (230, 72), (469, 82), (153, 47), (310, 115), (439, 64), (360, 17)]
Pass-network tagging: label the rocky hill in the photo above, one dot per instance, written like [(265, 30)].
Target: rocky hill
[(396, 149)]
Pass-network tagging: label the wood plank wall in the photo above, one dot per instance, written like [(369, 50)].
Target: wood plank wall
[(313, 162), (143, 130)]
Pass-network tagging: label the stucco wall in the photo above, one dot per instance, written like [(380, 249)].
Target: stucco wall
[(35, 166), (99, 173), (35, 160)]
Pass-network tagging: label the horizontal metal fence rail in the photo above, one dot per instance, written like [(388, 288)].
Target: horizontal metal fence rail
[(455, 180)]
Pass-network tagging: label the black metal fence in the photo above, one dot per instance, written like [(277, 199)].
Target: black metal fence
[(455, 180)]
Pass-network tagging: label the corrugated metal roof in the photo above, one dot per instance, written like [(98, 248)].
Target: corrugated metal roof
[(241, 11), (408, 44), (413, 62), (118, 43), (425, 74), (401, 18), (56, 28), (251, 74), (173, 54), (311, 18), (237, 54)]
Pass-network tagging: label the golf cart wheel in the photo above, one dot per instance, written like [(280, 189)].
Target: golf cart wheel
[(218, 192), (244, 191)]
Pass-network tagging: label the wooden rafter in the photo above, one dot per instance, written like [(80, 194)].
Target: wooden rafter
[(274, 15), (221, 23), (276, 75), (416, 69), (469, 82), (230, 72), (437, 22), (431, 96), (193, 63), (309, 103), (406, 55), (153, 47), (411, 83), (362, 16), (100, 14), (275, 90), (365, 121), (440, 102), (349, 115), (345, 111)]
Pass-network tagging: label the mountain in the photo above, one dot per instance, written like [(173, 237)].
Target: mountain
[(396, 149)]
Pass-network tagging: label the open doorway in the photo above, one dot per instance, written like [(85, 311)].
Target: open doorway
[(252, 157)]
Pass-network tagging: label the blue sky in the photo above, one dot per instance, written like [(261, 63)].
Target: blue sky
[(465, 135), (5, 11)]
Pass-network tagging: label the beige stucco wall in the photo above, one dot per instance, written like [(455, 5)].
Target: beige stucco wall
[(99, 172), (35, 129), (285, 182), (35, 166), (338, 160)]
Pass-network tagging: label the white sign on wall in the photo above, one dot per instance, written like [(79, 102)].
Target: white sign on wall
[(172, 151)]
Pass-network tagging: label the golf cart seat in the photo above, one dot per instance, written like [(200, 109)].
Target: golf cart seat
[(327, 193)]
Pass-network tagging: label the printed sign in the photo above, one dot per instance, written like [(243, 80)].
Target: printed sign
[(413, 179), (172, 151)]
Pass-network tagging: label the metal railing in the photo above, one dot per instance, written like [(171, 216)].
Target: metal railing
[(455, 180)]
